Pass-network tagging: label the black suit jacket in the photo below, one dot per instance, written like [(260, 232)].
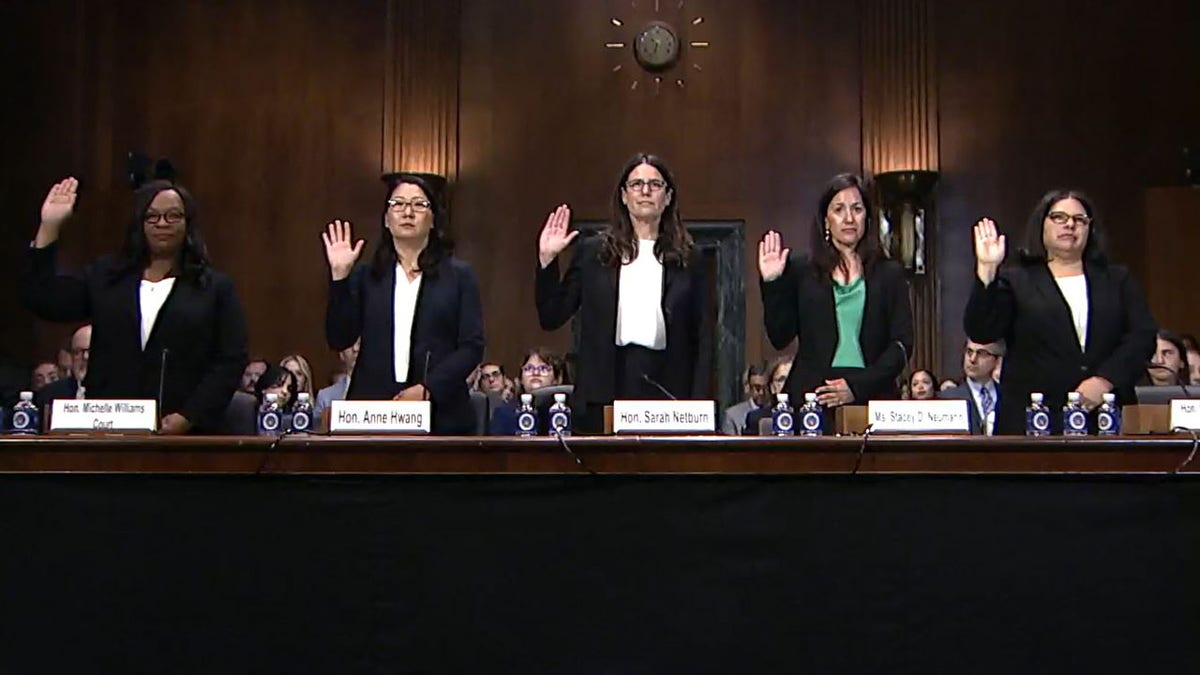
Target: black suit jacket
[(963, 391), (591, 288), (800, 305), (447, 332), (1025, 307), (67, 387), (199, 335)]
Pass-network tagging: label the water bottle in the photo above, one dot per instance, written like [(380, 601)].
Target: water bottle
[(25, 418), (270, 418), (527, 421), (560, 415), (1108, 417), (812, 416), (1037, 416), (1075, 418), (302, 414), (783, 421)]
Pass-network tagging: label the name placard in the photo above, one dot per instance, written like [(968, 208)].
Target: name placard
[(380, 417), (130, 415), (658, 417), (1185, 413), (940, 415)]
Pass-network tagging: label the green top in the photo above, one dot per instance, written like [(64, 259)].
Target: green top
[(849, 301)]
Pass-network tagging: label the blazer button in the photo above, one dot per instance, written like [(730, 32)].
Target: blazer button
[(1083, 369)]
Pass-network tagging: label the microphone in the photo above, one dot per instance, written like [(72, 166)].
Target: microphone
[(862, 449), (904, 372), (659, 387), (162, 378), (1150, 365)]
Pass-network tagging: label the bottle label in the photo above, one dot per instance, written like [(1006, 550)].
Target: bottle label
[(1105, 422), (269, 422), (526, 423), (1039, 420), (22, 420), (1076, 420), (811, 421), (560, 420), (301, 421), (784, 421)]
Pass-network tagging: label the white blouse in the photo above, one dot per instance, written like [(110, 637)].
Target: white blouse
[(404, 309), (151, 296), (639, 301), (1074, 289)]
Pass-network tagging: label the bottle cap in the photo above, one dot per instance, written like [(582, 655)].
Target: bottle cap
[(560, 397), (1036, 397), (526, 398), (781, 397), (27, 396), (272, 397), (302, 396), (810, 397), (1073, 397), (1109, 397)]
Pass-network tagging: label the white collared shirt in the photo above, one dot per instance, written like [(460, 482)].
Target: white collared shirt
[(151, 296), (639, 301), (1074, 290), (976, 388), (404, 310)]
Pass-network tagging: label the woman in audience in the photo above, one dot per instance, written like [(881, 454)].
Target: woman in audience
[(166, 324), (1169, 365), (1071, 320), (298, 366), (640, 294), (415, 307), (845, 302), (781, 369), (541, 368), (281, 382), (922, 385)]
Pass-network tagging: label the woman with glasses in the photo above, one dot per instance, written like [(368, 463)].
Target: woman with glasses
[(846, 303), (415, 307), (639, 293), (540, 368), (1071, 321), (165, 324)]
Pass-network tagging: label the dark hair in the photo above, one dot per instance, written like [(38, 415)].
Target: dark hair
[(1033, 249), (825, 258), (550, 358), (754, 370), (1189, 341), (273, 377), (192, 263), (440, 245), (1183, 375), (259, 360), (932, 377), (618, 241)]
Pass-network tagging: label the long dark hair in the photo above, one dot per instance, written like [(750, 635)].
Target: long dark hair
[(1183, 374), (618, 242), (1033, 249), (192, 262), (825, 258), (440, 245)]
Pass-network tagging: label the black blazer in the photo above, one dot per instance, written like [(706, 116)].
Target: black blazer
[(447, 332), (67, 387), (800, 305), (1025, 307), (590, 287), (199, 335), (963, 391)]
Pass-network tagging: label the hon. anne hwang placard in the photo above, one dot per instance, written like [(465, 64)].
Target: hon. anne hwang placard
[(937, 415)]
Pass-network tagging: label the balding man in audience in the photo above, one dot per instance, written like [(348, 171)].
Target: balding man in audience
[(71, 387)]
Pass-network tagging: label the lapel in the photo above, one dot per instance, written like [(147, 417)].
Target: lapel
[(669, 277), (1061, 326)]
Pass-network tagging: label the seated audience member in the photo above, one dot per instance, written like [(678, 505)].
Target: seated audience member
[(43, 374), (64, 360), (1168, 366), (1193, 361), (781, 368), (279, 381), (337, 391), (979, 388), (298, 366), (540, 368), (922, 385), (754, 386), (71, 387), (1189, 343), (489, 378), (251, 373), (947, 385)]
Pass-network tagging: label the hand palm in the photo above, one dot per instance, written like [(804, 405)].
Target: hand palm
[(990, 252), (340, 253), (771, 264)]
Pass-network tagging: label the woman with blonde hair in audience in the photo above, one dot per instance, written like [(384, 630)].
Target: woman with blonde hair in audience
[(298, 366)]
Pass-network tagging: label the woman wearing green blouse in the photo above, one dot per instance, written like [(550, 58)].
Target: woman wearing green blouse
[(845, 302)]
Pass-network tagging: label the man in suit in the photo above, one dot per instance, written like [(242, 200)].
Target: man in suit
[(71, 387), (337, 390), (978, 387), (754, 384)]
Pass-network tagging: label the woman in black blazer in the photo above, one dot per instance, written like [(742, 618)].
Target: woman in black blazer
[(415, 307), (847, 303), (166, 325), (640, 293), (1071, 320)]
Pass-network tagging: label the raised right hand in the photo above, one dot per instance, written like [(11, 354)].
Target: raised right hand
[(339, 251), (989, 250), (58, 206), (555, 236), (772, 256)]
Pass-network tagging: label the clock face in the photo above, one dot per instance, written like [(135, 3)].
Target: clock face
[(656, 47)]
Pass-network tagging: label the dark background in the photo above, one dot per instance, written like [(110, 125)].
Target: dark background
[(282, 114)]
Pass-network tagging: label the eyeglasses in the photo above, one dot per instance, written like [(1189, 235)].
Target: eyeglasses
[(1060, 218), (418, 205), (638, 184), (80, 351), (979, 353), (537, 369), (490, 374), (171, 217)]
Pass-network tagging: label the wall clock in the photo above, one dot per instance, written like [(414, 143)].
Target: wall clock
[(660, 36)]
